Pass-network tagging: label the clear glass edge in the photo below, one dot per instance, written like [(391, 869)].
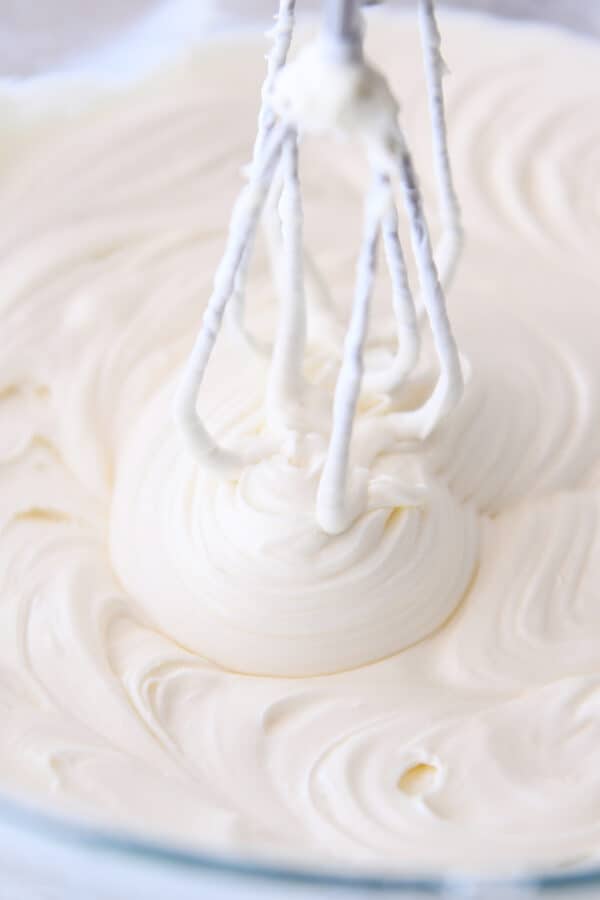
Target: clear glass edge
[(77, 832)]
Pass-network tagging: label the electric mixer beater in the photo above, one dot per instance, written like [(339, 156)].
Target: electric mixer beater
[(331, 87)]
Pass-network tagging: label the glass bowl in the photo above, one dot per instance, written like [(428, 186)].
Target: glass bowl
[(47, 856)]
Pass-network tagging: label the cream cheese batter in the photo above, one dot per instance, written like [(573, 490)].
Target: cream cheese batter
[(136, 587)]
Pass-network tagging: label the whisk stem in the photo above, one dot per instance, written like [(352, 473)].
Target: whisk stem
[(342, 27)]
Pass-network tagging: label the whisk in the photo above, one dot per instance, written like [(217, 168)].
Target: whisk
[(332, 87)]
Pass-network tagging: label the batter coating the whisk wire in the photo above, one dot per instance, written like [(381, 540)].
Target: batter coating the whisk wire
[(332, 88)]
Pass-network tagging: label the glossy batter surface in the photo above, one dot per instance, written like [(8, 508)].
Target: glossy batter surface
[(126, 570)]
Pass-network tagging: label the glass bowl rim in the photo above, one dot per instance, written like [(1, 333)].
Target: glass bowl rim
[(74, 832)]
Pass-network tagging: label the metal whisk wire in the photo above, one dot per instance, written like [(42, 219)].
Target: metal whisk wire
[(273, 193)]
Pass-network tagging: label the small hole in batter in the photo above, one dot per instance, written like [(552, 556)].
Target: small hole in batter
[(418, 780), (393, 517)]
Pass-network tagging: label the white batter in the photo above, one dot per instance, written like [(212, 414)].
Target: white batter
[(126, 570)]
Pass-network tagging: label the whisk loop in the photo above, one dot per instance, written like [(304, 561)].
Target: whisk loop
[(330, 87)]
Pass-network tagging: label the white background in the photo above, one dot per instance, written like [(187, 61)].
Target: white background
[(37, 35)]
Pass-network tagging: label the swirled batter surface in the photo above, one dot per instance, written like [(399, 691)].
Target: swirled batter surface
[(135, 588)]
